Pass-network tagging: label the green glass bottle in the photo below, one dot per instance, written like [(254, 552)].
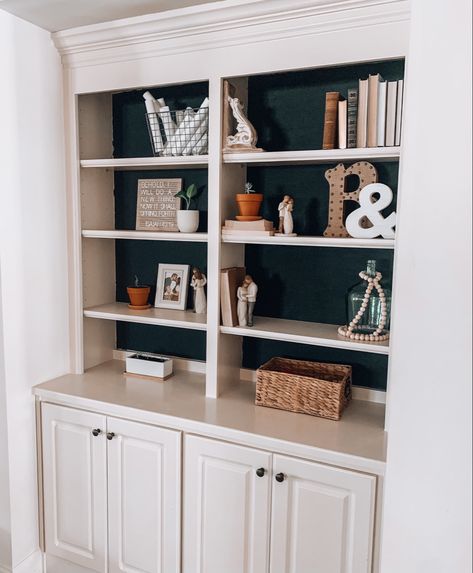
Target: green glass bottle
[(370, 320)]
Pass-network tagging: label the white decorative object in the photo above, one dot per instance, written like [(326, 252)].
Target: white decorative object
[(242, 305), (198, 283), (371, 209), (187, 221), (286, 222), (246, 137), (171, 286), (146, 364), (379, 334)]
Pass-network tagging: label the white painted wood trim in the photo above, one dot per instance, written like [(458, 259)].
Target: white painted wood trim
[(308, 241), (145, 235), (32, 564), (147, 162), (317, 156), (225, 16), (313, 333), (158, 316)]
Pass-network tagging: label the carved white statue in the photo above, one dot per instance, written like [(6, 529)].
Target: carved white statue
[(286, 222), (371, 209), (246, 137)]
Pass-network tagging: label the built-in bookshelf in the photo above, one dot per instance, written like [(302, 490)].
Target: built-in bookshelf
[(302, 280)]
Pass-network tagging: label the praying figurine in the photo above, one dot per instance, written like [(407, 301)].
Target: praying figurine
[(252, 291), (198, 283), (286, 223)]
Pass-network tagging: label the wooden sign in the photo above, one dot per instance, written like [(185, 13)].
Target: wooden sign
[(336, 177), (156, 204)]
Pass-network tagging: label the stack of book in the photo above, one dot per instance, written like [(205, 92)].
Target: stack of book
[(230, 280), (245, 229), (370, 115)]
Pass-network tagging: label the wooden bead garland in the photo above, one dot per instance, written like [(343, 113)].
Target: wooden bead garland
[(379, 334)]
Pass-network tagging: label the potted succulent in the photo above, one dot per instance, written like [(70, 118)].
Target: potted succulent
[(249, 204), (188, 219), (139, 295)]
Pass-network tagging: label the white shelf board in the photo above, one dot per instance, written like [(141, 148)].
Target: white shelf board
[(313, 333), (315, 156), (158, 316), (145, 235), (127, 163), (357, 441), (308, 241)]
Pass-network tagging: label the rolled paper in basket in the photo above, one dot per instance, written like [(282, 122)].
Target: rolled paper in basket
[(191, 130), (202, 145), (168, 123), (152, 106)]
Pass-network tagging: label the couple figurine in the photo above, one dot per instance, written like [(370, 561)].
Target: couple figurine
[(286, 223), (198, 283), (246, 295)]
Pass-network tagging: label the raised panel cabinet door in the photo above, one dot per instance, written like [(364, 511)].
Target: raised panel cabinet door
[(322, 518), (75, 485), (226, 508), (144, 492)]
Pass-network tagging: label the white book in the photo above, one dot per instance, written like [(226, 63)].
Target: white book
[(400, 90), (381, 117), (374, 82), (391, 102), (342, 124), (362, 118)]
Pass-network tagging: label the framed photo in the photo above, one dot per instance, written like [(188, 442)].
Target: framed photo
[(171, 287), (156, 204)]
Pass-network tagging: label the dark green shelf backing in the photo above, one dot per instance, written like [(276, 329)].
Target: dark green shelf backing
[(287, 109), (369, 370), (162, 340), (310, 189), (126, 185), (130, 132)]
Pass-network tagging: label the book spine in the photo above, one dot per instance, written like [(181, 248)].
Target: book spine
[(342, 124), (330, 120), (391, 102), (362, 117), (351, 117), (400, 90), (381, 114), (372, 124)]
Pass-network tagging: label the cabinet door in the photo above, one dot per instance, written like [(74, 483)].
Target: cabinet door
[(322, 518), (144, 468), (226, 508), (75, 488)]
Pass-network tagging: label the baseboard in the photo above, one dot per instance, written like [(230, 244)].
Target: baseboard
[(5, 569), (179, 363), (32, 564)]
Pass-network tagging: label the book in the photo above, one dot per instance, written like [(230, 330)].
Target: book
[(381, 119), (330, 120), (230, 279), (260, 225), (391, 103), (362, 117), (342, 124), (352, 110), (244, 233), (400, 95), (372, 122)]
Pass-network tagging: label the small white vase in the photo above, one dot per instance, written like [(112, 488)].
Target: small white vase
[(187, 221)]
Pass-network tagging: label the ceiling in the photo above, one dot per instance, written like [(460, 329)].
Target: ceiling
[(55, 15)]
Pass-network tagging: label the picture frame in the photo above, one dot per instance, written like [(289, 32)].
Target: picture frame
[(171, 286), (157, 204)]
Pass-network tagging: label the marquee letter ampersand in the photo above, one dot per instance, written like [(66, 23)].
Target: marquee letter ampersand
[(371, 209)]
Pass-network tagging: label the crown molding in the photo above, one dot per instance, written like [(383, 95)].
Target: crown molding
[(221, 24)]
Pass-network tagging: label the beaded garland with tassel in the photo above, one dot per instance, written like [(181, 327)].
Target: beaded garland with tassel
[(380, 333)]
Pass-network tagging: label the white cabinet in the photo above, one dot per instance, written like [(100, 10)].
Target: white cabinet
[(226, 508), (142, 492), (321, 516), (75, 486)]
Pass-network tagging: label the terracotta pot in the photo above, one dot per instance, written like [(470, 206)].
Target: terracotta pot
[(139, 296), (249, 203)]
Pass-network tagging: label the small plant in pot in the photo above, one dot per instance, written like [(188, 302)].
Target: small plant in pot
[(249, 204), (188, 219), (139, 295)]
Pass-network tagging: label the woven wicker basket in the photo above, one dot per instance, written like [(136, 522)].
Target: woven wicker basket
[(306, 387)]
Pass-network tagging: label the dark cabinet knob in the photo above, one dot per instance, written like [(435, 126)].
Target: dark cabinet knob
[(96, 432), (280, 477), (110, 435), (260, 472)]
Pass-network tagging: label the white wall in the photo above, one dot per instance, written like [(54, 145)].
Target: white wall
[(427, 513), (32, 253)]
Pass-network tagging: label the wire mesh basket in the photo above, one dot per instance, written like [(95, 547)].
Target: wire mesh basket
[(179, 132)]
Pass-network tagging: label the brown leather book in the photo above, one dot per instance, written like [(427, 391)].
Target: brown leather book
[(330, 120), (230, 280)]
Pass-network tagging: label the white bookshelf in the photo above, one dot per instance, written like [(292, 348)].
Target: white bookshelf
[(130, 163), (144, 235), (308, 241)]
